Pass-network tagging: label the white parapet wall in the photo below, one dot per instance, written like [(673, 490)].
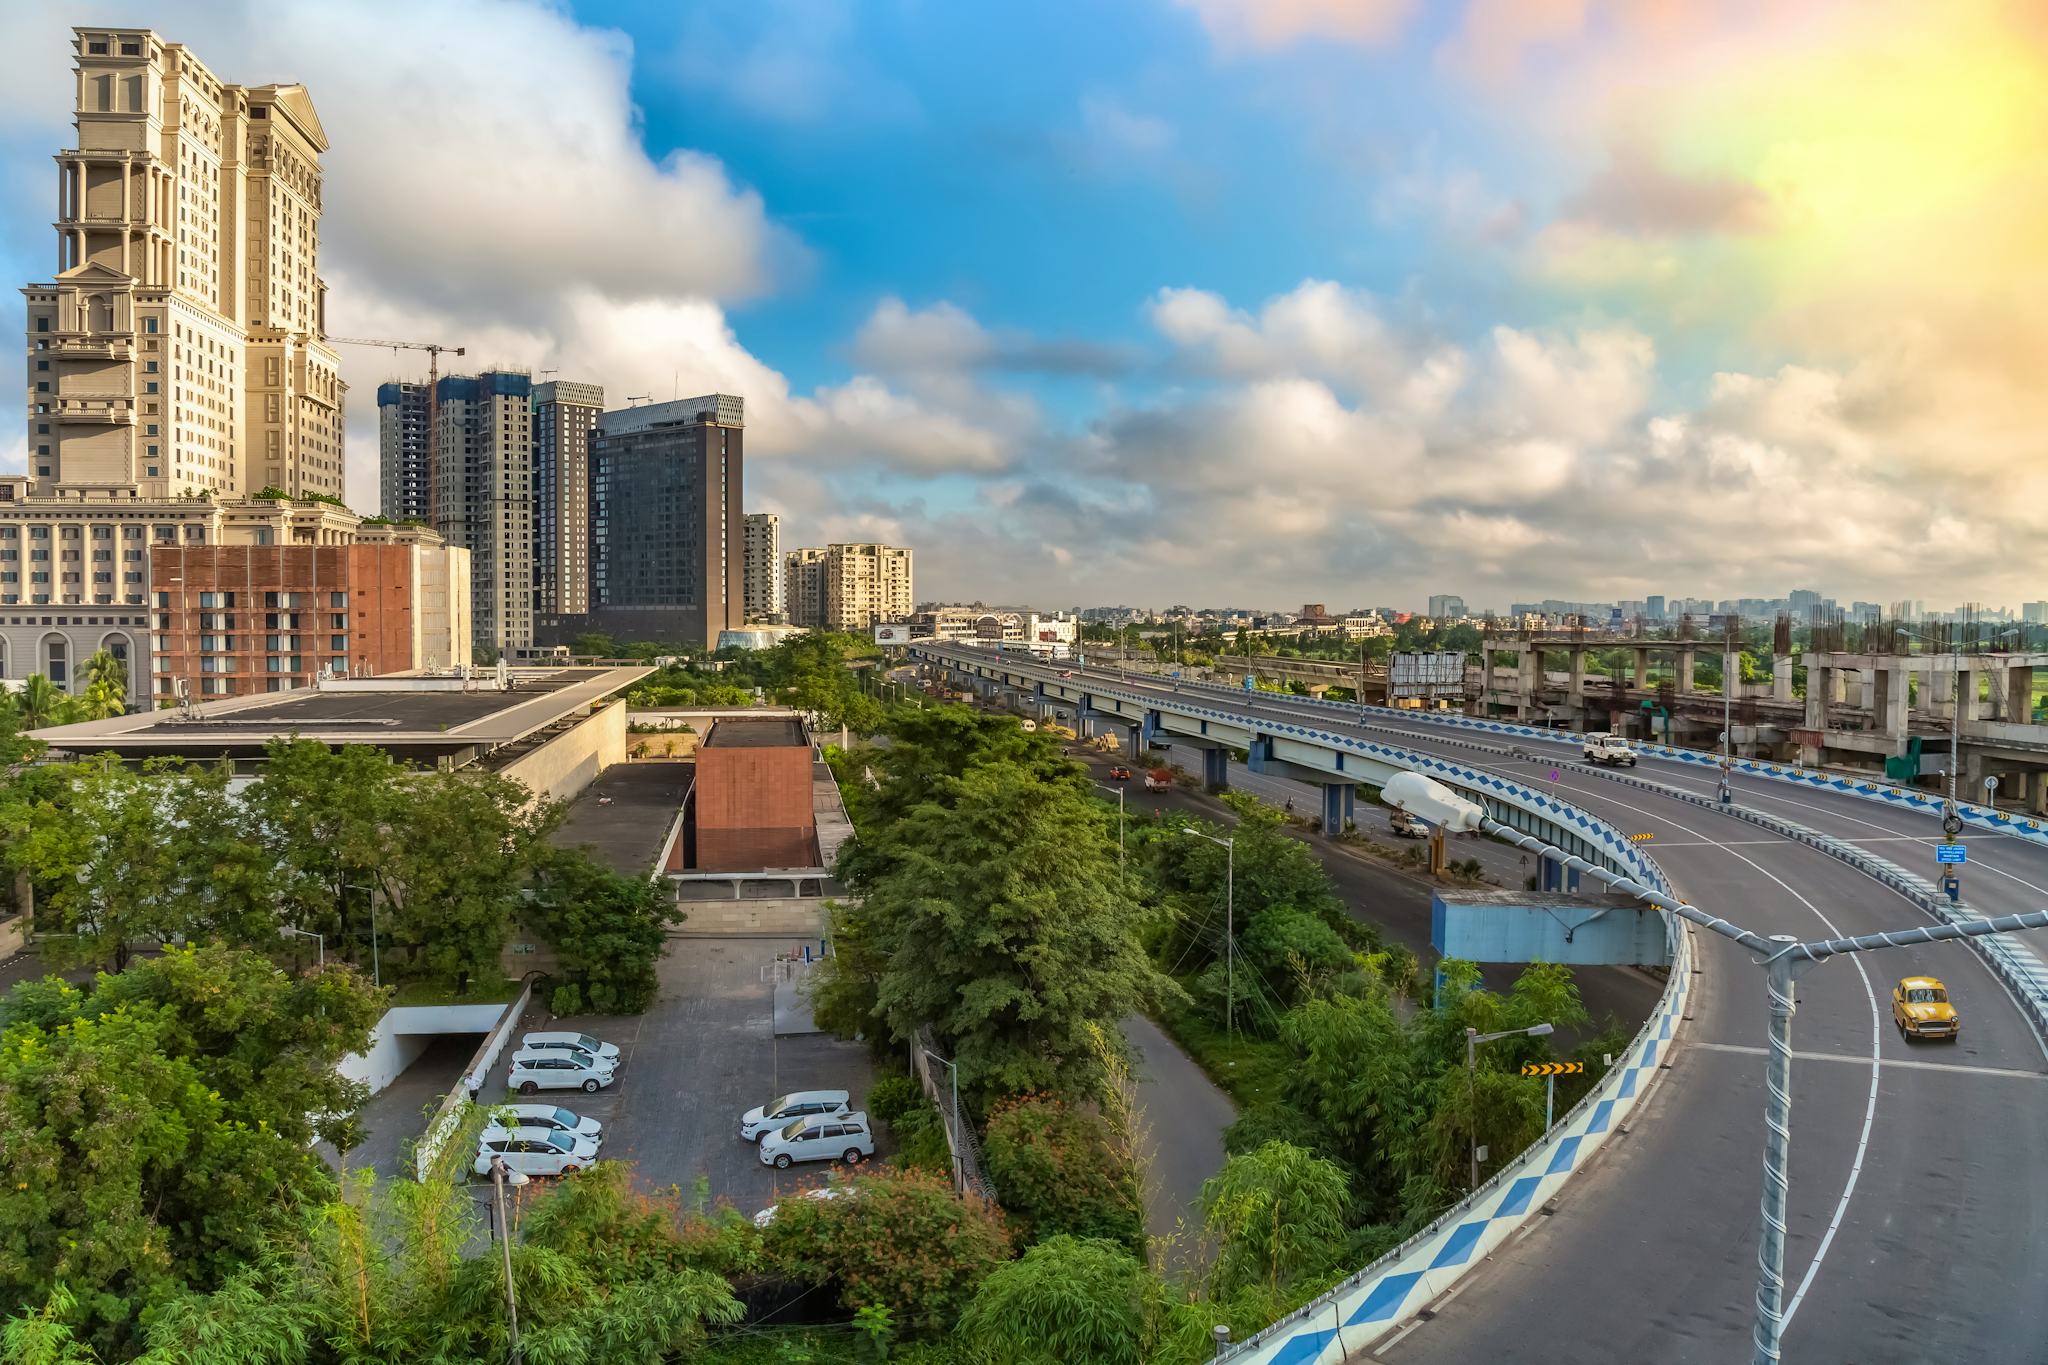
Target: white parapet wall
[(570, 761), (403, 1034)]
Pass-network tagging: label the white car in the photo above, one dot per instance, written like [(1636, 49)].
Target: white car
[(545, 1116), (767, 1215), (766, 1118), (559, 1069), (606, 1053), (1610, 750), (822, 1137), (534, 1151)]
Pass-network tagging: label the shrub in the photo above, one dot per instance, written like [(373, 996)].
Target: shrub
[(1059, 1170), (1069, 1301), (893, 1096), (900, 1240)]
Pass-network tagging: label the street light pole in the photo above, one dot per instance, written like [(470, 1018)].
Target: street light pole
[(320, 939), (959, 1132), (1229, 927), (1122, 877), (1473, 1038), (499, 1178)]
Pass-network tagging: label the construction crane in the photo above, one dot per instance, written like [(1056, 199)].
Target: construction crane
[(433, 350)]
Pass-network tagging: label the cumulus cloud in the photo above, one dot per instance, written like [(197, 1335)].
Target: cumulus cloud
[(1234, 24), (1634, 192)]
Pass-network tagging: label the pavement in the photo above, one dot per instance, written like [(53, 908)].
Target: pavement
[(702, 1055), (398, 1114), (1182, 1115)]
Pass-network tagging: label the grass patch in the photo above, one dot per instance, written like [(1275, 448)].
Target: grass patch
[(434, 993), (1249, 1069)]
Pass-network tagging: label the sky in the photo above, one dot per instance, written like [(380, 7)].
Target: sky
[(1219, 302)]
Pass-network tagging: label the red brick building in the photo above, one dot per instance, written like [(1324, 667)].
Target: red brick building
[(233, 620), (753, 797)]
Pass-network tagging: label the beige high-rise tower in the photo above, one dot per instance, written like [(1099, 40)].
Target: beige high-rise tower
[(181, 346)]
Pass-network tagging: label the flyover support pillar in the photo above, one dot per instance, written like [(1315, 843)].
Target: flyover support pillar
[(1687, 658), (1336, 805), (1215, 768), (1781, 679)]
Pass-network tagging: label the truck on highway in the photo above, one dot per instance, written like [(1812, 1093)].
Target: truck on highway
[(1159, 780), (1609, 750)]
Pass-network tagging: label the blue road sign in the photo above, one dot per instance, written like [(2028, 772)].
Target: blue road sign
[(1951, 853), (1248, 686)]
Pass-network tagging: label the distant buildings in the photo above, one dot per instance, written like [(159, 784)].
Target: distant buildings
[(1446, 606), (848, 586), (2035, 613), (483, 497), (763, 573), (564, 418)]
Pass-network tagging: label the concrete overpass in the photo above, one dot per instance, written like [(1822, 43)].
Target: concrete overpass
[(1916, 1196)]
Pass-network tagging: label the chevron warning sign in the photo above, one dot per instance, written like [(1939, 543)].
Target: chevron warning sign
[(1642, 838), (1553, 1068)]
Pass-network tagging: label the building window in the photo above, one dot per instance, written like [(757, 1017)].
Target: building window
[(42, 324), (148, 325)]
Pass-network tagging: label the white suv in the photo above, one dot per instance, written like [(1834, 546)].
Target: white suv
[(545, 1116), (821, 1137), (534, 1151), (606, 1053), (778, 1113), (559, 1069)]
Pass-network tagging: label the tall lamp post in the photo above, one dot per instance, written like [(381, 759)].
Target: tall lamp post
[(1123, 879), (320, 939), (1473, 1038), (1229, 927), (959, 1129), (501, 1176)]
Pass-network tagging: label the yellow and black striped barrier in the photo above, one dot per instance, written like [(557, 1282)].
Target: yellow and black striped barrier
[(1553, 1068), (1641, 838)]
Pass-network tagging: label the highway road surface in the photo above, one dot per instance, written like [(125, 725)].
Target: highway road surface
[(1917, 1185)]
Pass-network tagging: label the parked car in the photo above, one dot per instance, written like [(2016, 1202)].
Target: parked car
[(535, 1151), (767, 1215), (606, 1053), (780, 1113), (546, 1116), (821, 1137), (1407, 826), (1921, 1008), (557, 1069)]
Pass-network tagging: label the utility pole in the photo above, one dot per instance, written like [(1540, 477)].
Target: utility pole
[(433, 350)]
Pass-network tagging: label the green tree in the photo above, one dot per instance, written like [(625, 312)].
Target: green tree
[(1277, 1214), (42, 703), (1067, 1301), (607, 928), (1006, 929), (1057, 1169), (106, 686), (898, 1240), (157, 1127), (1353, 1071)]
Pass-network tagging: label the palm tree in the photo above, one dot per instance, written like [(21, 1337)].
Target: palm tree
[(103, 669), (41, 702)]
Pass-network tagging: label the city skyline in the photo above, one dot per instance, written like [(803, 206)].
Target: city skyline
[(1578, 313)]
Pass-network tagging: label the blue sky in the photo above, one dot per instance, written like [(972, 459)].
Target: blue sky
[(1259, 301)]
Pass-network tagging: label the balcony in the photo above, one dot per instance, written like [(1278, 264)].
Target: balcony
[(80, 347), (94, 411)]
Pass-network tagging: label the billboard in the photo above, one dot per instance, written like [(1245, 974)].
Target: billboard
[(1427, 675), (892, 632)]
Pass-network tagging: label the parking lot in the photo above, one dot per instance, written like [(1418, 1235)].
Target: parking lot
[(702, 1055)]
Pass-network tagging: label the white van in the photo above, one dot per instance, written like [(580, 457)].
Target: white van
[(820, 1137), (534, 1151), (562, 1068), (778, 1113), (606, 1053)]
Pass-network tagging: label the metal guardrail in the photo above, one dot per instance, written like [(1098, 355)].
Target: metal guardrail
[(969, 1173)]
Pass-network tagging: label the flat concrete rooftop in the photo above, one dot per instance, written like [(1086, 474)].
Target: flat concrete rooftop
[(756, 732), (420, 718)]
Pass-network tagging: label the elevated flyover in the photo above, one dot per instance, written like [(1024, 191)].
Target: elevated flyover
[(1915, 1187)]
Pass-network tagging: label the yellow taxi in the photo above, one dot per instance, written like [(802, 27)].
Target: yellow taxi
[(1921, 1009)]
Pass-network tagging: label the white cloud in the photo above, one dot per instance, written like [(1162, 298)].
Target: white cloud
[(1234, 24)]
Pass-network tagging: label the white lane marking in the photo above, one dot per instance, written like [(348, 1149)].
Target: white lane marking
[(1752, 843), (1876, 1058), (1964, 1067)]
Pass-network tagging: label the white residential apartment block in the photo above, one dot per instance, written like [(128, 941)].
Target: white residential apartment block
[(764, 576), (848, 586)]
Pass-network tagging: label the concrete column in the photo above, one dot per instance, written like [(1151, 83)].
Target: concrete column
[(2019, 693), (1334, 794), (1641, 677), (1866, 689), (1686, 659), (1578, 677), (1967, 708), (1820, 688), (1215, 768), (2037, 792), (1781, 680), (1351, 804), (1890, 701), (1941, 691), (1530, 667)]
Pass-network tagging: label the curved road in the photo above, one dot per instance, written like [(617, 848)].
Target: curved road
[(1915, 1195)]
